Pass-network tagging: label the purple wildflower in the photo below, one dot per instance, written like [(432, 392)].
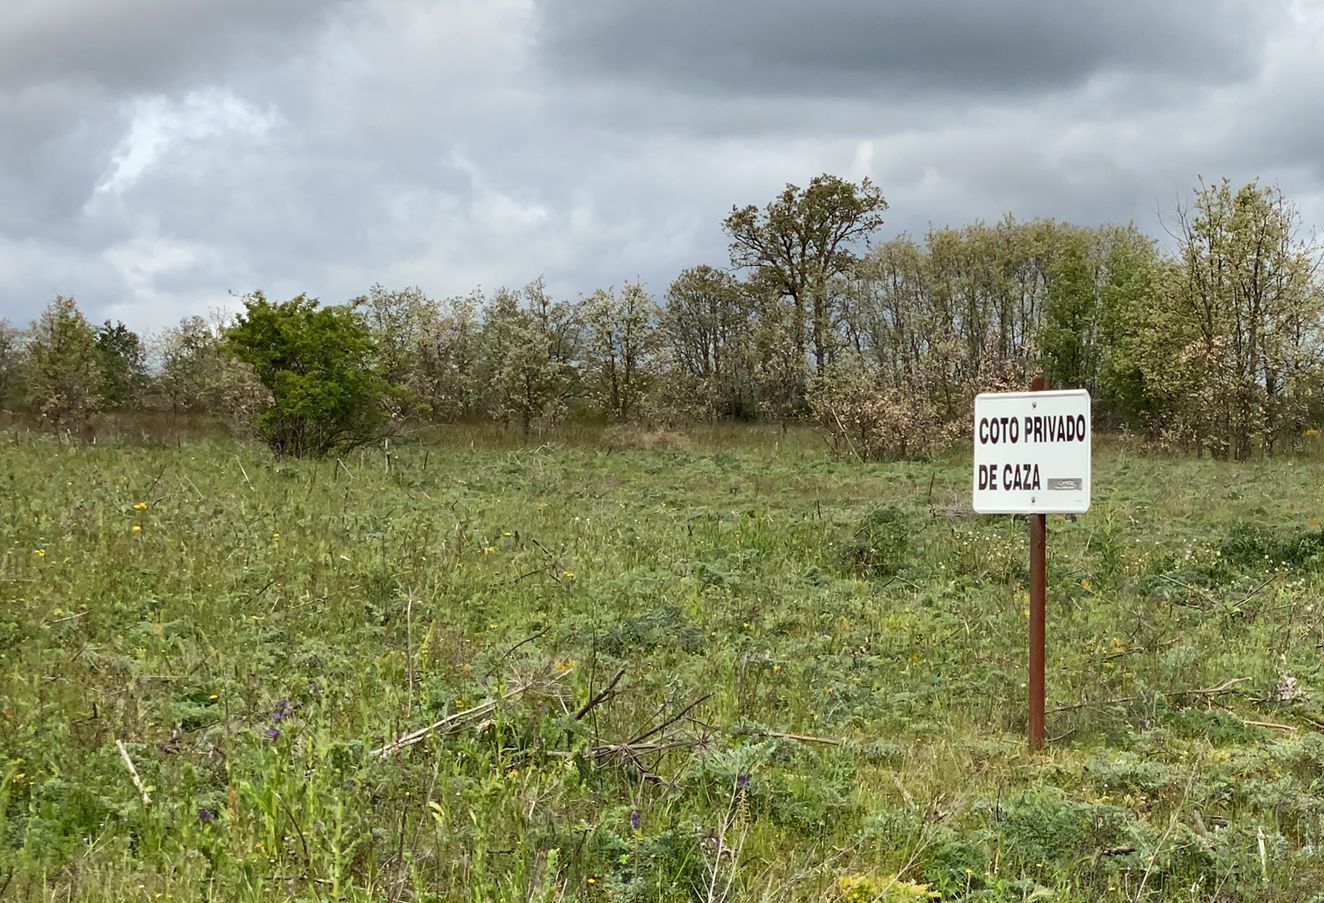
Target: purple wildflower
[(273, 733), (283, 710), (206, 815), (635, 818), (742, 781)]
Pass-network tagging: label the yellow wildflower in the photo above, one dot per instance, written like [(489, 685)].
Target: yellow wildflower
[(136, 528), (40, 553), (569, 575), (488, 550), (141, 506)]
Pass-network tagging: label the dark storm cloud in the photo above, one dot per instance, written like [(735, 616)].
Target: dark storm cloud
[(884, 48), (146, 45), (157, 154)]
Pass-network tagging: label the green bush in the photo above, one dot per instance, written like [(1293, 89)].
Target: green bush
[(317, 363), (1253, 547)]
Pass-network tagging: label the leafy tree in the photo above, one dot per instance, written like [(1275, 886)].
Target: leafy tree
[(63, 374), (779, 375), (197, 377), (447, 360), (706, 325), (397, 321), (1068, 335), (317, 364), (1246, 305), (11, 353), (888, 314), (620, 342), (123, 364), (529, 347), (191, 366), (1130, 268), (802, 241)]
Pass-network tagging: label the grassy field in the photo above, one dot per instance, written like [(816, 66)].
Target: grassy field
[(730, 670)]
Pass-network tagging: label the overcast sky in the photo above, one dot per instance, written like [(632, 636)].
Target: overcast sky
[(156, 155)]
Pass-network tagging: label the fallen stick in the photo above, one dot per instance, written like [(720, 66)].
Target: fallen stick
[(804, 738), (1225, 687), (133, 772), (1272, 725), (447, 725)]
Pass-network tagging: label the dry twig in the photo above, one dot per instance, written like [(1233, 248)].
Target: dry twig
[(450, 724), (133, 772), (1206, 693)]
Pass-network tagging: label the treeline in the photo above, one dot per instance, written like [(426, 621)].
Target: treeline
[(1213, 345)]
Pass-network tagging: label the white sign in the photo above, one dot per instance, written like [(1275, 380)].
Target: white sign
[(1032, 452)]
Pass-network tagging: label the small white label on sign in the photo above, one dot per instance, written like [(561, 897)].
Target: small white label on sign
[(1032, 452)]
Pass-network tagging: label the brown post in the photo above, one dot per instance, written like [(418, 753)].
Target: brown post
[(1038, 592)]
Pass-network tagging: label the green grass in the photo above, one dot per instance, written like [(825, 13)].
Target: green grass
[(854, 643)]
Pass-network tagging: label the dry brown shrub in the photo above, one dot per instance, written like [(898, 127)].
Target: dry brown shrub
[(619, 438), (869, 422)]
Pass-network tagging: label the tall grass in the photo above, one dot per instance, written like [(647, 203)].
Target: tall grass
[(820, 692)]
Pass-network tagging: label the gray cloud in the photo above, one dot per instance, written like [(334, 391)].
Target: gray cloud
[(147, 45), (888, 49), (193, 149)]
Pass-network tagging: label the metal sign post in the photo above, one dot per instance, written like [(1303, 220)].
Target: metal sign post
[(1032, 457), (1038, 612)]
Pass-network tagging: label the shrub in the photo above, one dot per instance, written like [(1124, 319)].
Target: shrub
[(317, 363), (870, 423), (1253, 547)]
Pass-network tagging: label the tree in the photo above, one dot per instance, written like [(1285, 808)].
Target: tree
[(317, 363), (887, 311), (11, 351), (64, 378), (191, 365), (779, 375), (1244, 298), (619, 346), (800, 243), (529, 348), (197, 377), (123, 364), (1130, 267), (1068, 336), (706, 324), (397, 320), (445, 374)]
